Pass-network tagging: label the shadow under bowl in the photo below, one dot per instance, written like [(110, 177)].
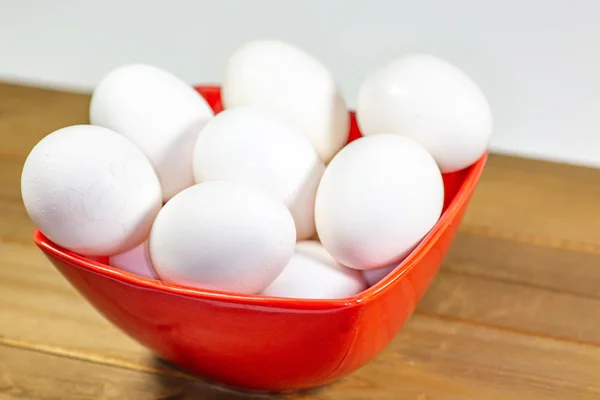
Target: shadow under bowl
[(261, 343)]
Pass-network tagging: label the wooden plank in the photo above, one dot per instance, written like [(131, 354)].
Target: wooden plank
[(547, 266), (515, 306), (28, 375), (15, 225), (27, 114), (523, 287), (10, 177), (430, 359), (38, 305), (437, 359), (540, 198)]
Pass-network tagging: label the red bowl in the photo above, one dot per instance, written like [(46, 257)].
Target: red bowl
[(267, 343)]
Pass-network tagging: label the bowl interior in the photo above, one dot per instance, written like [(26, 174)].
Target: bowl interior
[(458, 188)]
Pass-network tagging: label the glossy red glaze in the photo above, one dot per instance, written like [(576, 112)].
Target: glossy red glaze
[(264, 343)]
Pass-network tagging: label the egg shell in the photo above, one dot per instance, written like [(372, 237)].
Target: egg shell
[(261, 147), (90, 190), (431, 101), (285, 78), (377, 199), (374, 275), (137, 261), (312, 273), (222, 235), (158, 112)]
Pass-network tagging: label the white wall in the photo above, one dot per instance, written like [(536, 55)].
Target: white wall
[(538, 61)]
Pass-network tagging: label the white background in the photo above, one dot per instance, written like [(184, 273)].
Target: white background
[(538, 61)]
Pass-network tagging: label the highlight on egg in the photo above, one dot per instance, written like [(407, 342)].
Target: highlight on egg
[(90, 190), (158, 112), (222, 235), (258, 146), (431, 101), (379, 196), (280, 76)]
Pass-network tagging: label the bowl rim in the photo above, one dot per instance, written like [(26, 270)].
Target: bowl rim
[(255, 300)]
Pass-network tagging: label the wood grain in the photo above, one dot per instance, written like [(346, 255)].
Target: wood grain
[(540, 198), (39, 306), (549, 268), (28, 374), (443, 359), (27, 114), (430, 359), (512, 314), (522, 287)]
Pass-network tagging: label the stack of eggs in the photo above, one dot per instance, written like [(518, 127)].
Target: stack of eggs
[(264, 197)]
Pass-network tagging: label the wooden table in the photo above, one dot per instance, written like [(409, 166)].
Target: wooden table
[(513, 314)]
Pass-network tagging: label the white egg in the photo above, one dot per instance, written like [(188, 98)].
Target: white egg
[(90, 190), (285, 78), (378, 198), (137, 261), (158, 112), (261, 147), (222, 235), (313, 274), (431, 101), (374, 275)]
